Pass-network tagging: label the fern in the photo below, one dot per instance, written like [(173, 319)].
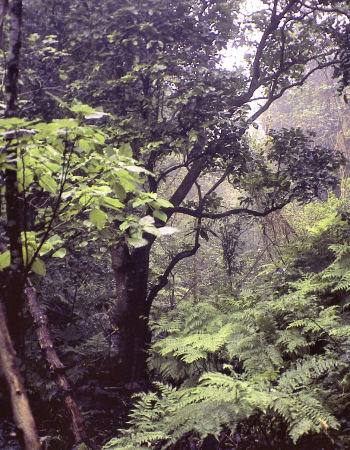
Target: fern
[(276, 351), (93, 349), (304, 372), (304, 413)]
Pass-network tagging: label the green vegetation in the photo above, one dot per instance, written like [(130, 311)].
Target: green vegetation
[(174, 235), (276, 354)]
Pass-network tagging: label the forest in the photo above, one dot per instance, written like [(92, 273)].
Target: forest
[(174, 224)]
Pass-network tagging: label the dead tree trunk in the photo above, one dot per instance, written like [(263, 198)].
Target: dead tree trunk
[(22, 414), (55, 365)]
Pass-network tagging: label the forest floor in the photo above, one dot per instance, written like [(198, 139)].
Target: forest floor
[(105, 410)]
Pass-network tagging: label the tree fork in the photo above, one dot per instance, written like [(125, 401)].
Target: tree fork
[(54, 363)]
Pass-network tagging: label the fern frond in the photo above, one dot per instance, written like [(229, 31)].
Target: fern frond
[(305, 371)]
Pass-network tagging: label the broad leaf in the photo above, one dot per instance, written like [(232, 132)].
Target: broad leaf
[(160, 215), (5, 260), (39, 267), (61, 253), (98, 218)]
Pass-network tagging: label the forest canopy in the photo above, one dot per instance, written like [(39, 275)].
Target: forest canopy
[(173, 225)]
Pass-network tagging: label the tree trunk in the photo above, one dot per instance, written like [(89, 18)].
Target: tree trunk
[(13, 292), (13, 282), (130, 314), (131, 311), (195, 279), (22, 414), (55, 365)]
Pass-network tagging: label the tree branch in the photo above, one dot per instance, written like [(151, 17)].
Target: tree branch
[(187, 183), (282, 91), (163, 279), (231, 212), (255, 82), (54, 363), (217, 184)]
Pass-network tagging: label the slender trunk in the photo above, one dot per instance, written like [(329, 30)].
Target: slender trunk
[(12, 289), (55, 365), (130, 314), (13, 282), (195, 279), (13, 294), (22, 414)]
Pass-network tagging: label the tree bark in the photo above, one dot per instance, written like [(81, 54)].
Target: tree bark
[(3, 12), (22, 414), (12, 281), (55, 365), (13, 291), (131, 311)]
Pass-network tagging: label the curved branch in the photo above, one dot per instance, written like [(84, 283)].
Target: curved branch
[(256, 81), (282, 91), (231, 212), (217, 184), (171, 169), (163, 279)]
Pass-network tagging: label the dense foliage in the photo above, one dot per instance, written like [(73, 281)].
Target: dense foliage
[(274, 358), (152, 241)]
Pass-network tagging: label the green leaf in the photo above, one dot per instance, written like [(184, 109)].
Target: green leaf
[(28, 179), (160, 215), (84, 144), (63, 76), (61, 253), (39, 267), (5, 260), (120, 191), (62, 124), (138, 169), (54, 240), (81, 108), (137, 242), (125, 150), (162, 203), (124, 226), (95, 115), (48, 245), (98, 218), (48, 184), (126, 181), (113, 203)]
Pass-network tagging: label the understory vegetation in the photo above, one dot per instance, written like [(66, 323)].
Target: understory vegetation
[(272, 361)]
